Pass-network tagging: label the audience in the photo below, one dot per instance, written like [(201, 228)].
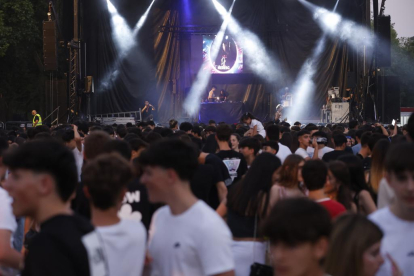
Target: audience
[(298, 230), (315, 174), (198, 240), (288, 179), (338, 186), (235, 161), (354, 247), (340, 145), (304, 142), (360, 191), (157, 179), (397, 220), (273, 134), (42, 179), (234, 141), (106, 179), (249, 147), (364, 151), (322, 142), (249, 202), (270, 147)]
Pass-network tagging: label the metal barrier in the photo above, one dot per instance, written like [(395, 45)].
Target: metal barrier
[(23, 124), (136, 114)]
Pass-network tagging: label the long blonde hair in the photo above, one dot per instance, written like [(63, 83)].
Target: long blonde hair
[(352, 235), (378, 163)]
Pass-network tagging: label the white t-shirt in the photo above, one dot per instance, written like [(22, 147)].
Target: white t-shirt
[(197, 242), (124, 246), (7, 219), (386, 194), (283, 152), (79, 160), (260, 128), (302, 153), (398, 241), (321, 152)]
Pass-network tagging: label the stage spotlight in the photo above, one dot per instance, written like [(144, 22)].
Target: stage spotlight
[(192, 102), (124, 39), (142, 19), (262, 62), (121, 32), (335, 26), (304, 86)]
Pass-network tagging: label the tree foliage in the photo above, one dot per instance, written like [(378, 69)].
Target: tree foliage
[(21, 73), (402, 65)]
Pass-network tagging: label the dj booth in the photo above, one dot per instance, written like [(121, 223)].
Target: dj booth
[(228, 112)]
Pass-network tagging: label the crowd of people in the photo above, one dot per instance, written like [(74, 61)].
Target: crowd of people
[(250, 198)]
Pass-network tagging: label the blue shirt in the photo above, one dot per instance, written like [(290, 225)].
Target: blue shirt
[(356, 148)]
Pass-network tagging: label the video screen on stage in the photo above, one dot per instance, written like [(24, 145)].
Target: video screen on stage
[(229, 59)]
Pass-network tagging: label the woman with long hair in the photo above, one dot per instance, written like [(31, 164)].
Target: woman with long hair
[(234, 141), (288, 179), (254, 124), (338, 185), (354, 248), (378, 163), (248, 203), (361, 193)]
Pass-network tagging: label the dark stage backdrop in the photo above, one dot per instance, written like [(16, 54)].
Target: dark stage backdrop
[(144, 73)]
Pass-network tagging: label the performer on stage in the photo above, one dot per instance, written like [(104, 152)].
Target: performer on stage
[(286, 99), (223, 95), (353, 109), (37, 119), (147, 112), (211, 95)]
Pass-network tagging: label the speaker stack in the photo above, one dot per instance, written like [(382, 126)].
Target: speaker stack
[(49, 46), (384, 42)]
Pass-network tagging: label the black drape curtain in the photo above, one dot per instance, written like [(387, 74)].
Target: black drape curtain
[(159, 67)]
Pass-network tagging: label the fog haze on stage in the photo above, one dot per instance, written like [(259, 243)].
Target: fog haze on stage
[(285, 27)]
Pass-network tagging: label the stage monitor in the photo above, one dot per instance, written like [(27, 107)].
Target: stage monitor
[(229, 59)]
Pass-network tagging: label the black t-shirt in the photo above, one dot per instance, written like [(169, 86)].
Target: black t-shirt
[(136, 205), (235, 162), (80, 205), (334, 155), (62, 246), (367, 163), (220, 174), (203, 182)]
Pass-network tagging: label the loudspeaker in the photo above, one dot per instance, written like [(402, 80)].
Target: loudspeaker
[(384, 42), (392, 106), (49, 46)]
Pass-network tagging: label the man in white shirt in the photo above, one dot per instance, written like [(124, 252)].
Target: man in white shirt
[(9, 257), (186, 236), (322, 141), (397, 220), (304, 142), (273, 134), (124, 241), (73, 141)]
